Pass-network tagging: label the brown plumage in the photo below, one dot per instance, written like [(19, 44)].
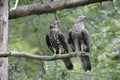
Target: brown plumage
[(56, 42)]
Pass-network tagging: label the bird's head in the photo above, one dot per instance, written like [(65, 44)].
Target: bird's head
[(54, 24), (80, 18)]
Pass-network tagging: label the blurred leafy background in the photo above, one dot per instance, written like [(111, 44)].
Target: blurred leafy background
[(27, 34)]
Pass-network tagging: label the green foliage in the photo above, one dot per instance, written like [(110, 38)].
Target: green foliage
[(28, 35)]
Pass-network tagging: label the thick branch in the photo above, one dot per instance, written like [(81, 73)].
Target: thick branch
[(37, 57), (50, 7)]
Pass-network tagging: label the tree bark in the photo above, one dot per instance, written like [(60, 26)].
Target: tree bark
[(45, 58), (38, 8), (3, 38)]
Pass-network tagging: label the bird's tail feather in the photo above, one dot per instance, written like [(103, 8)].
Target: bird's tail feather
[(68, 63), (85, 61)]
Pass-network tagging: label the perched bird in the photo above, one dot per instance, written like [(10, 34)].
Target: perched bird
[(78, 38), (56, 42)]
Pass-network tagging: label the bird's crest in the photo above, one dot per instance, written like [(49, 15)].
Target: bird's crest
[(54, 24), (80, 18)]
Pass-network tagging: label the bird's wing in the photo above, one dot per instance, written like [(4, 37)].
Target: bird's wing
[(70, 40), (62, 41), (48, 42), (86, 39), (67, 61), (69, 37), (85, 60)]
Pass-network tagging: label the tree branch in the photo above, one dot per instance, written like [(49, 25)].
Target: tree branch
[(45, 58), (50, 7)]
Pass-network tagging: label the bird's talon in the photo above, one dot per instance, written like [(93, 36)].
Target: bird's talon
[(55, 55), (12, 9), (60, 54), (77, 53)]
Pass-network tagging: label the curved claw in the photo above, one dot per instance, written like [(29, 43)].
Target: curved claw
[(13, 8), (78, 53)]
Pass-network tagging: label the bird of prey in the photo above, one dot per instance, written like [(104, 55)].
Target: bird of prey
[(56, 42), (78, 38)]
